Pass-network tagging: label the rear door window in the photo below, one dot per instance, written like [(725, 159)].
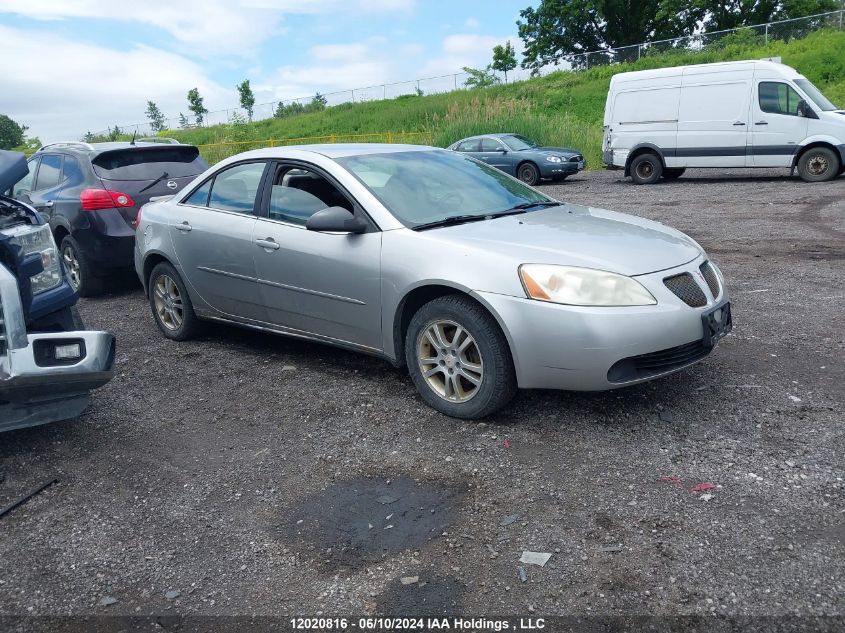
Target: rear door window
[(235, 189), (149, 163), (49, 172)]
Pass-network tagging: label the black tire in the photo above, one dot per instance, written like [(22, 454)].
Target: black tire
[(187, 326), (646, 169), (672, 173), (528, 173), (497, 379), (818, 164), (78, 269)]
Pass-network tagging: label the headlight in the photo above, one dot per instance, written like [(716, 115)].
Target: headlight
[(554, 159), (582, 286), (39, 241)]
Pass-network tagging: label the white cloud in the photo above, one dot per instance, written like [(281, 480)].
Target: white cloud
[(88, 94), (206, 27)]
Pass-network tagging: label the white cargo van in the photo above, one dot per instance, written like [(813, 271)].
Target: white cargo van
[(657, 123)]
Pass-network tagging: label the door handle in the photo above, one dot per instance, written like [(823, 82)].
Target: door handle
[(762, 123), (739, 123), (184, 227), (268, 243)]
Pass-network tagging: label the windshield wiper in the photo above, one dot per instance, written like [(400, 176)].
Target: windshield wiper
[(154, 182), (450, 221), (527, 205)]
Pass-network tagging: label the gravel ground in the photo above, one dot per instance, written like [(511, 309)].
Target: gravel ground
[(240, 473)]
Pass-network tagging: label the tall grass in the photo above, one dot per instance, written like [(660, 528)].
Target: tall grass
[(562, 108)]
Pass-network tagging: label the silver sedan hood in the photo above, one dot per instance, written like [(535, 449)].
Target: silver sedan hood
[(575, 235)]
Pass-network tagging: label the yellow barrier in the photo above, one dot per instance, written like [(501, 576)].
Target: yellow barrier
[(214, 152)]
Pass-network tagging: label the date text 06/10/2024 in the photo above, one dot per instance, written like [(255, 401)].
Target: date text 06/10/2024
[(411, 624)]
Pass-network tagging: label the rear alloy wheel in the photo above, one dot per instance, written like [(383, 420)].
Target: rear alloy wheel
[(458, 358), (672, 173), (818, 164), (79, 270), (646, 169), (171, 305), (528, 173)]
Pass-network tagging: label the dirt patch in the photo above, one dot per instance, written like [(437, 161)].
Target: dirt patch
[(433, 596), (359, 521)]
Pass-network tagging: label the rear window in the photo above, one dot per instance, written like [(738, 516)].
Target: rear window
[(149, 163)]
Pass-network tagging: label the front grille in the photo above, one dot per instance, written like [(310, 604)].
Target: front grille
[(576, 159), (711, 278), (647, 365), (685, 288)]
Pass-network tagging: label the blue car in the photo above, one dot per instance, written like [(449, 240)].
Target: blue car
[(521, 157)]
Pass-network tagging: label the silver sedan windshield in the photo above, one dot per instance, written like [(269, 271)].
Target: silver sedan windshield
[(423, 187)]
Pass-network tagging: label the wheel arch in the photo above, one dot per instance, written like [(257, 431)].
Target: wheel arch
[(823, 142), (151, 260), (421, 294), (639, 150)]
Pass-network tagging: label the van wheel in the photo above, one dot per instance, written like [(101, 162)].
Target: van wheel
[(672, 173), (646, 169), (529, 174), (818, 164), (459, 359)]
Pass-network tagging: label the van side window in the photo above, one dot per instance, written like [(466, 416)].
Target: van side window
[(778, 98)]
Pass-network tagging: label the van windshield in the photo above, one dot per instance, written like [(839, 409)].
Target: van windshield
[(816, 95)]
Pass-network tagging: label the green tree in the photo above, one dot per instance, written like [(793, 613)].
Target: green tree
[(557, 28), (89, 137), (11, 133), (247, 97), (114, 133), (317, 104), (195, 105), (504, 58), (719, 16), (480, 78), (183, 121), (155, 116)]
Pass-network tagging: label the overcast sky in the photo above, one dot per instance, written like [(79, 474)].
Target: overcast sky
[(69, 66)]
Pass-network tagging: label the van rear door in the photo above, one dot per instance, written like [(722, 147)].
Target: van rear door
[(713, 117)]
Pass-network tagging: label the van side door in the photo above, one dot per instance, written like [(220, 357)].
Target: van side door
[(777, 128), (713, 118)]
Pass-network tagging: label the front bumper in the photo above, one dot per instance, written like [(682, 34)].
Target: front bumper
[(556, 170), (35, 387), (574, 348)]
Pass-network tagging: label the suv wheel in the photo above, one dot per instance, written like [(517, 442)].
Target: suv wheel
[(172, 308), (459, 359), (79, 272), (818, 164), (646, 169)]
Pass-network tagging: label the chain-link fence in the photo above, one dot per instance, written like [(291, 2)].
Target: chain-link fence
[(783, 30)]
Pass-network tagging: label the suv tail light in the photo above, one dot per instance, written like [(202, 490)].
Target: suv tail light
[(93, 199)]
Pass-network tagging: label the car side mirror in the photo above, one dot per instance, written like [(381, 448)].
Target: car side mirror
[(336, 220), (805, 110)]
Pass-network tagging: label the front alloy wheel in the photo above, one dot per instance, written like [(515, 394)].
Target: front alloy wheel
[(459, 359), (72, 266), (450, 361)]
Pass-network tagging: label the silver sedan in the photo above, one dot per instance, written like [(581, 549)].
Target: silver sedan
[(475, 282)]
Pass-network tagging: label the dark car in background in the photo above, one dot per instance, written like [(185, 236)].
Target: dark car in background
[(521, 157), (48, 361), (90, 193)]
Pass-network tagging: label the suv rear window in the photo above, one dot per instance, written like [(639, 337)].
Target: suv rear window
[(149, 163)]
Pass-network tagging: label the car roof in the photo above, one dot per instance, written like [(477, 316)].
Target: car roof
[(496, 135), (336, 150)]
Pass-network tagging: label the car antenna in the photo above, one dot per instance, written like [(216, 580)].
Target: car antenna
[(132, 142)]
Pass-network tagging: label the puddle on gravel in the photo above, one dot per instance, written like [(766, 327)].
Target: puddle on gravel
[(431, 596), (358, 521)]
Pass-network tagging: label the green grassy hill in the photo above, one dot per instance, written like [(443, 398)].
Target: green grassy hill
[(562, 108)]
